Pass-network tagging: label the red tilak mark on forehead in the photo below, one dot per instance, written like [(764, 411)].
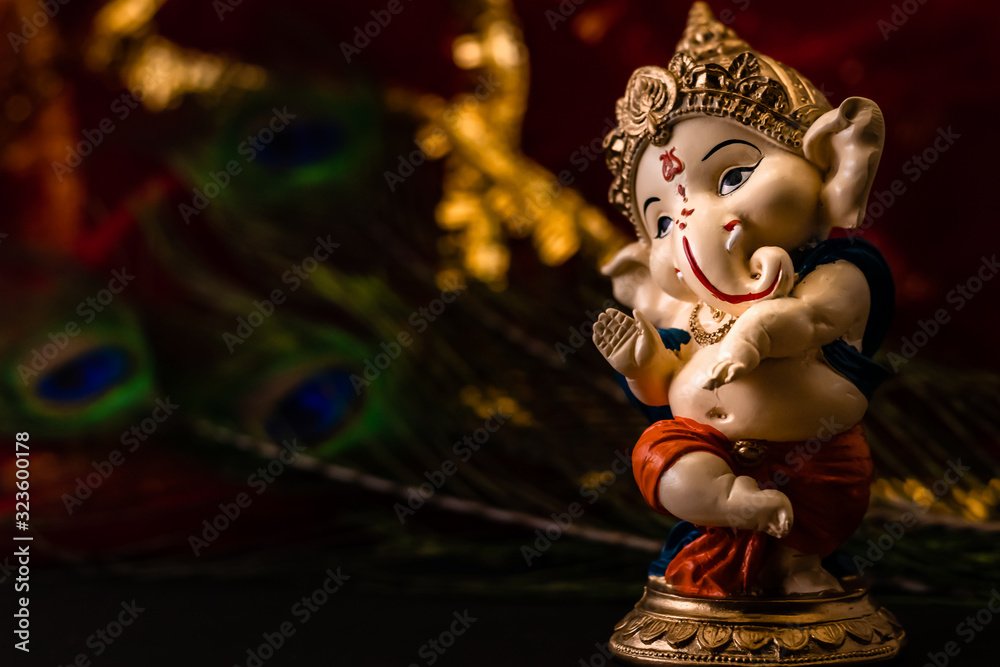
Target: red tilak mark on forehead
[(731, 225), (672, 164), (687, 211)]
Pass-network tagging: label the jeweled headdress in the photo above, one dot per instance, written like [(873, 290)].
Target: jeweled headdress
[(713, 73)]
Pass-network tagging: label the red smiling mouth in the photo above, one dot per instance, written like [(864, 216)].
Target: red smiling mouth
[(716, 292)]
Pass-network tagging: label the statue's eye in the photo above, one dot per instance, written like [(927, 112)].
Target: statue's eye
[(734, 179), (663, 225)]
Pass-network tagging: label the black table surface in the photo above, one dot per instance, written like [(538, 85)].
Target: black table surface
[(205, 621)]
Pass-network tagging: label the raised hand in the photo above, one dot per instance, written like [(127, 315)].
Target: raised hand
[(629, 344), (634, 348)]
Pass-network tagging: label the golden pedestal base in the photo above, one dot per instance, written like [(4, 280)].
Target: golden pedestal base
[(838, 628)]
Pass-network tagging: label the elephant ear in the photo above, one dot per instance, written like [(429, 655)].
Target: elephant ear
[(846, 144), (633, 286)]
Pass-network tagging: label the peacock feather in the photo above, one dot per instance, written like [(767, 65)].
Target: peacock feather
[(430, 351)]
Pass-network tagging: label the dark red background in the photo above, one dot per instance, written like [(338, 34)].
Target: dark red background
[(936, 71)]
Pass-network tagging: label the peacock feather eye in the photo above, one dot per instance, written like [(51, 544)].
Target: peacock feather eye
[(86, 376), (304, 142), (312, 140), (92, 381), (315, 408)]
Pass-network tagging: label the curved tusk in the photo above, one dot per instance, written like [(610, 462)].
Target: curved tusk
[(734, 235)]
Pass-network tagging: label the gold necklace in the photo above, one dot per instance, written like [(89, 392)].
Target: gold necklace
[(703, 337)]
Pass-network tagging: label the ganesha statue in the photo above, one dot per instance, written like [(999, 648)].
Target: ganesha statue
[(750, 348)]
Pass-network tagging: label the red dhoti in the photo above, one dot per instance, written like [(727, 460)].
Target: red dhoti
[(827, 482)]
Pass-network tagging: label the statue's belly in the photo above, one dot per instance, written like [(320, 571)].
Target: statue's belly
[(782, 399)]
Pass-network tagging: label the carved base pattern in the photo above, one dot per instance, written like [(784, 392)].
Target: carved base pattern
[(841, 628)]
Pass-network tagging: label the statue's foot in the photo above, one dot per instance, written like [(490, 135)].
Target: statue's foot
[(794, 573), (813, 580)]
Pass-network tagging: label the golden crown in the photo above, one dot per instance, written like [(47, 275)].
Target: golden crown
[(713, 73)]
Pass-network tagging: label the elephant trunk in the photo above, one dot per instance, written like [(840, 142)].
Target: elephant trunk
[(733, 285)]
